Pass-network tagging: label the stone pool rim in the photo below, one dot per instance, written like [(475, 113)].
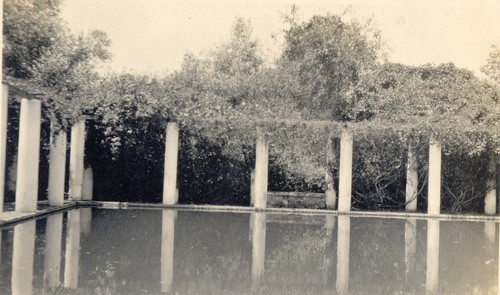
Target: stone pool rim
[(20, 216)]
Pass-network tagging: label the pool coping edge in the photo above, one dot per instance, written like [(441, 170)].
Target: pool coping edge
[(242, 209)]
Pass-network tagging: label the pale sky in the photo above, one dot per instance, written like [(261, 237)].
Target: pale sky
[(151, 36)]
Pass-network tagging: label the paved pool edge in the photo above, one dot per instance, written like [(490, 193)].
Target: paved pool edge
[(9, 218), (244, 209)]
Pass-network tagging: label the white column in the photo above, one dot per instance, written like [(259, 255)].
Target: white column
[(411, 179), (345, 173), (490, 200), (170, 194), (72, 261), (4, 106), (432, 273), (434, 186), (23, 258), (57, 167), (330, 193), (410, 247), (28, 156), (88, 184), (52, 259), (77, 153), (343, 252), (167, 250), (252, 187), (498, 179), (258, 228), (12, 174), (261, 170)]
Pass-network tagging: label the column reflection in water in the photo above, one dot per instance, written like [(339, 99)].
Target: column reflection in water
[(327, 259), (167, 249), (250, 227), (498, 266), (329, 224), (432, 274), (258, 228), (72, 261), (22, 260), (410, 247), (490, 230), (86, 220), (343, 249), (1, 233), (52, 259)]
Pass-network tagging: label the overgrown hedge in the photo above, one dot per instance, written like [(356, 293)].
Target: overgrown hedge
[(214, 172)]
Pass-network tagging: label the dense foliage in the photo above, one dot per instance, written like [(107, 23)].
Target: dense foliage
[(417, 103), (492, 66), (328, 56), (329, 78), (30, 27), (40, 48)]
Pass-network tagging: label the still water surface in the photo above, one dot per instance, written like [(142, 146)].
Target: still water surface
[(99, 251)]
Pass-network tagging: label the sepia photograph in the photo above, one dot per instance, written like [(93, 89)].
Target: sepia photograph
[(250, 147)]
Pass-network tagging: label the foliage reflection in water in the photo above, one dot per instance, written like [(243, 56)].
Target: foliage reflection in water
[(99, 251)]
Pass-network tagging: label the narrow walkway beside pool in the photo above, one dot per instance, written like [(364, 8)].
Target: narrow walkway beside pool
[(11, 216)]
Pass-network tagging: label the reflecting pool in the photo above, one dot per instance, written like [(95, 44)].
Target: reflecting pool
[(107, 251)]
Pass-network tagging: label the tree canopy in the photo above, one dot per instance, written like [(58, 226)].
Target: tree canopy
[(443, 100), (328, 56), (329, 77), (30, 27), (492, 66), (40, 48)]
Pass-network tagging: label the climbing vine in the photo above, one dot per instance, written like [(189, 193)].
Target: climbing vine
[(330, 78)]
